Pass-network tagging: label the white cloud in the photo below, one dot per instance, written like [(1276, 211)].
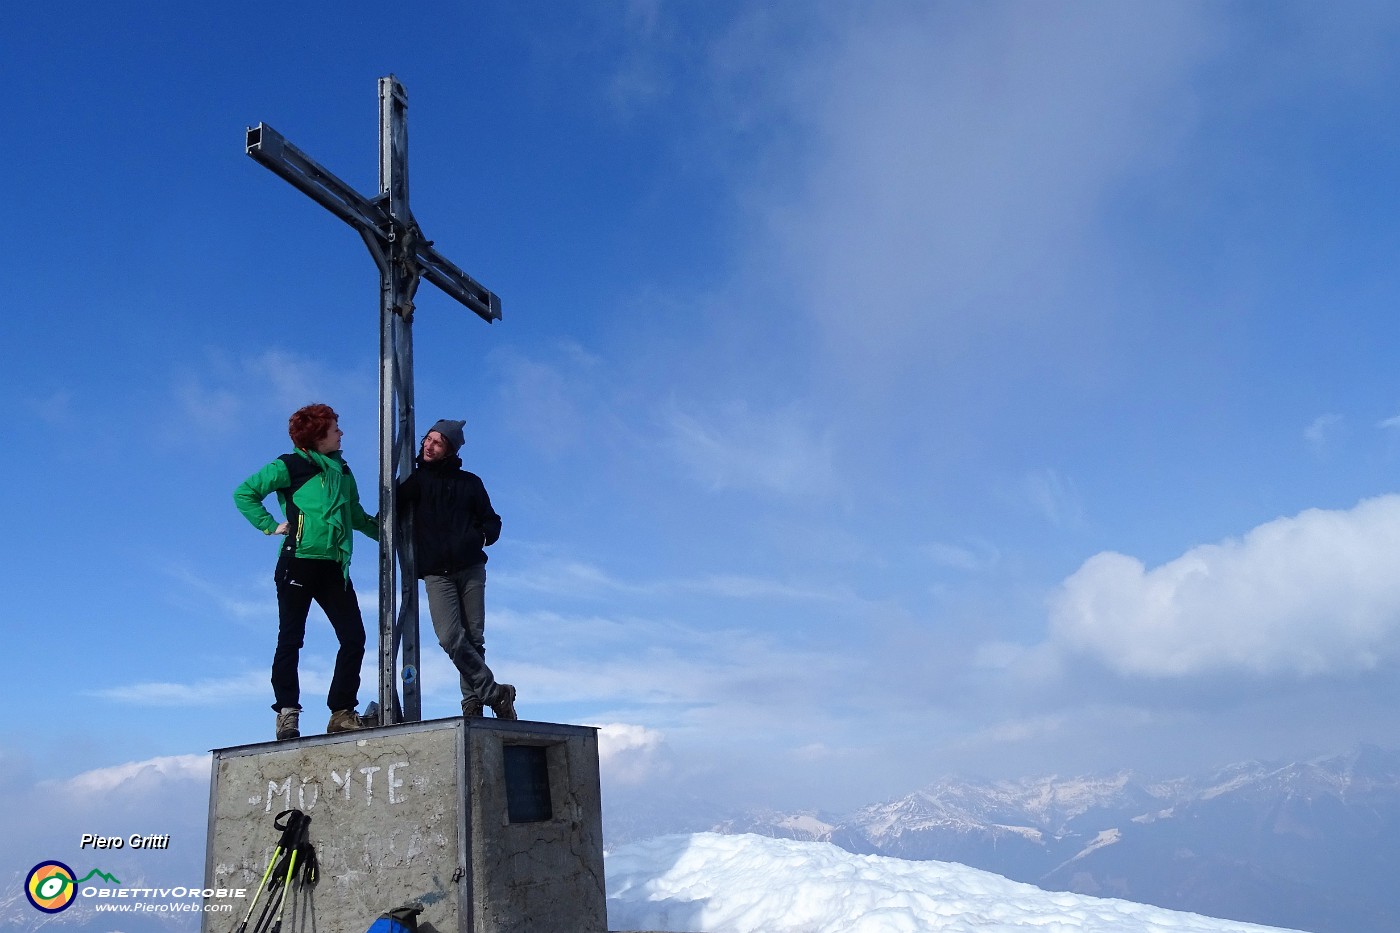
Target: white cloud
[(953, 179), (578, 578), (657, 677), (663, 673), (640, 80), (1309, 595), (1017, 731), (1322, 430), (571, 577), (292, 379), (734, 586), (225, 393), (253, 598), (209, 692), (631, 754), (972, 557), (168, 795), (314, 672), (1054, 497), (740, 448), (822, 753), (544, 401), (135, 777)]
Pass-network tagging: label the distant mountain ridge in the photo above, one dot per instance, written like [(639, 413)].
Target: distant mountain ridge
[(1312, 845)]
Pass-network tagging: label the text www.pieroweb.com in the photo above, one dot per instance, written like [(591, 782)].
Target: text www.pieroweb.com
[(119, 900)]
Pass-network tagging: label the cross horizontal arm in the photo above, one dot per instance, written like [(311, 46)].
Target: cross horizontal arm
[(271, 148), (369, 216), (441, 271)]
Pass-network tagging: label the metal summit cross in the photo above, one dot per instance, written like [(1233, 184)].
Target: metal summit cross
[(403, 256)]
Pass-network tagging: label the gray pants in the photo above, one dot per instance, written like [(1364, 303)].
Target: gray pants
[(457, 602)]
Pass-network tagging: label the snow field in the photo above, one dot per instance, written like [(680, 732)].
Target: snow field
[(712, 883)]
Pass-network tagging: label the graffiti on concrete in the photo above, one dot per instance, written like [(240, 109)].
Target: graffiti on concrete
[(368, 783)]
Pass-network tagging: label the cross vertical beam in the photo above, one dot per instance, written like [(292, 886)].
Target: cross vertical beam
[(403, 256), (397, 285)]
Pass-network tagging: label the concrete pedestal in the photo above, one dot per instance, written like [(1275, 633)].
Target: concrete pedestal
[(490, 826)]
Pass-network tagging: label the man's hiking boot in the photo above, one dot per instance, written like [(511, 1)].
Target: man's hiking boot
[(287, 723), (471, 707), (344, 720), (504, 707)]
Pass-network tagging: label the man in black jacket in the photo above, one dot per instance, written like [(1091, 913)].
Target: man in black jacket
[(453, 523)]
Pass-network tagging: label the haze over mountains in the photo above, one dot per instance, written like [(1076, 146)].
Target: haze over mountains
[(1312, 845)]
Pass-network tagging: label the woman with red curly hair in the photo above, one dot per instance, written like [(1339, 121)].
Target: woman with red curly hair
[(318, 495)]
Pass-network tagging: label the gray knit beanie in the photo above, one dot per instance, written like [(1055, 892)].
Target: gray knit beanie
[(451, 432)]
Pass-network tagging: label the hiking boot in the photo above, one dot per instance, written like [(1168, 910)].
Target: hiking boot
[(344, 720), (471, 708), (287, 725), (504, 707)]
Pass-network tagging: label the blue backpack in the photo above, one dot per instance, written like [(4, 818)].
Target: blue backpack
[(399, 920)]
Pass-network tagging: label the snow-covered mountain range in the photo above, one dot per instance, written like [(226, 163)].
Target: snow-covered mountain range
[(1313, 845)]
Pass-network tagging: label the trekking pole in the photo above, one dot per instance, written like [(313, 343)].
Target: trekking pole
[(242, 927), (269, 906), (277, 889), (291, 869), (286, 887), (289, 829)]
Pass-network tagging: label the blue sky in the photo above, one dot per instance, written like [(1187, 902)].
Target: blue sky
[(884, 390)]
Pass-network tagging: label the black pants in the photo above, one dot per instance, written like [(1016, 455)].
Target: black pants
[(299, 581)]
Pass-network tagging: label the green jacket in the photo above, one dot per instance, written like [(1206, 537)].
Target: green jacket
[(317, 493)]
